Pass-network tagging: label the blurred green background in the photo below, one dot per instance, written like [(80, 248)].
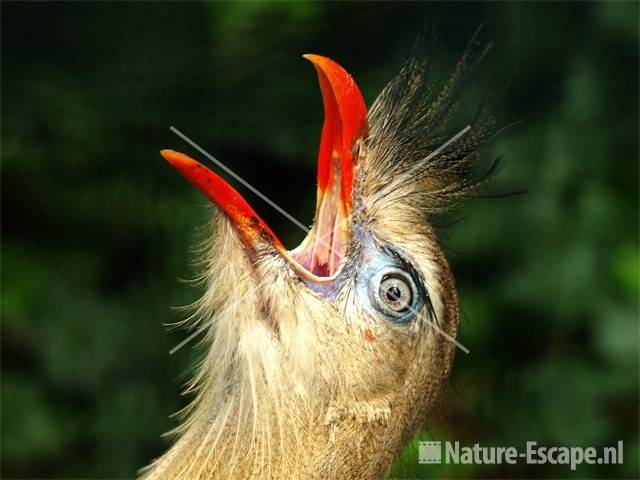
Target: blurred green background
[(96, 228)]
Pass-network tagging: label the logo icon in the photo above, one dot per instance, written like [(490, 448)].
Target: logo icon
[(429, 452)]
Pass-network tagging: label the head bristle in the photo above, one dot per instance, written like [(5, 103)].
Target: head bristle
[(410, 155)]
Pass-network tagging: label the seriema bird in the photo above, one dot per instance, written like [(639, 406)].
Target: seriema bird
[(324, 360)]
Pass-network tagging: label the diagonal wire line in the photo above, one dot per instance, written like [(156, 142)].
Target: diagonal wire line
[(208, 324), (240, 179), (435, 326), (437, 151), (453, 139), (322, 239), (197, 332)]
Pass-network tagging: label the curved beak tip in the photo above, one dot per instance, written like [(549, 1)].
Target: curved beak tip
[(312, 57), (172, 157), (248, 223)]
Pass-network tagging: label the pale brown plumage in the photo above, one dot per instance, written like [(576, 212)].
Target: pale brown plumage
[(298, 383)]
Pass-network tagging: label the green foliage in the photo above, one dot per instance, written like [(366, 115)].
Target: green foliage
[(96, 228)]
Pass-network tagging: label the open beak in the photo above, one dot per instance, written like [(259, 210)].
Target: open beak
[(322, 252)]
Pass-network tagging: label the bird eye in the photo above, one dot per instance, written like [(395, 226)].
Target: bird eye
[(396, 293), (393, 293)]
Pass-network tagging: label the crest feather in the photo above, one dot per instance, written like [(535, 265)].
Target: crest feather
[(410, 157)]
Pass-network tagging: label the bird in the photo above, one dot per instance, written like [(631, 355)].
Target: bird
[(323, 361)]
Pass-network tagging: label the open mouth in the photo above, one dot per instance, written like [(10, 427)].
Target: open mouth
[(321, 254)]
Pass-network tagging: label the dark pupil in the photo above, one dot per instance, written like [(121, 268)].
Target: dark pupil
[(393, 294)]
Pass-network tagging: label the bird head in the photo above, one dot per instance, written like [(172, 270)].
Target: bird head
[(346, 340)]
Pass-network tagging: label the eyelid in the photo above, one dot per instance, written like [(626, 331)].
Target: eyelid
[(405, 263)]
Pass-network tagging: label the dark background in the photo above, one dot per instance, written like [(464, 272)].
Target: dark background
[(96, 228)]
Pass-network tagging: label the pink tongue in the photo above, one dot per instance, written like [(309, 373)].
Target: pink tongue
[(328, 247), (325, 246)]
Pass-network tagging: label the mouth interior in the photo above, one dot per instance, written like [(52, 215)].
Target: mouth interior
[(322, 251)]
